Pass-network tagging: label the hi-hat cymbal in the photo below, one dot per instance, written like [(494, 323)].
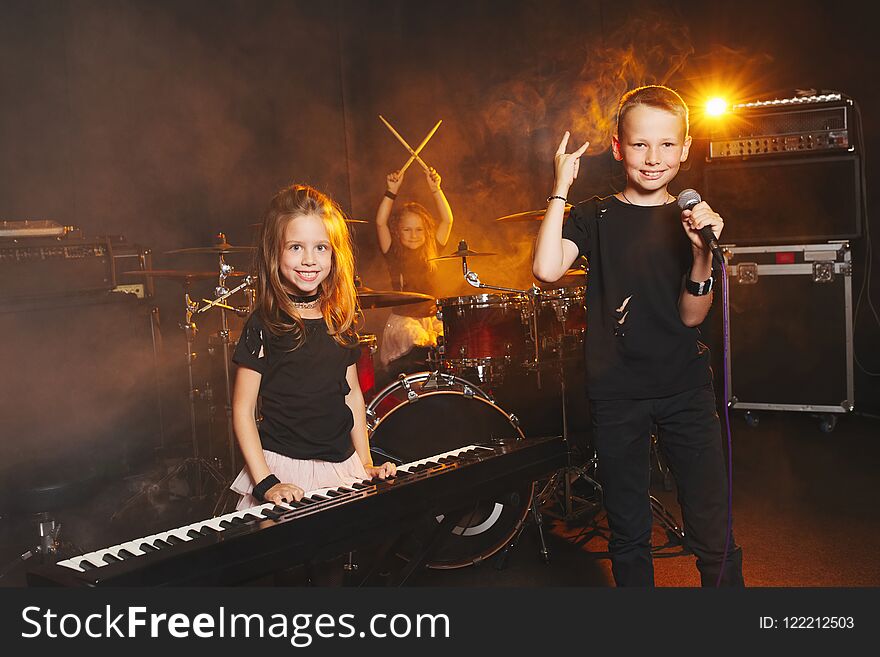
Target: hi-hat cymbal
[(370, 298), (222, 248), (177, 274), (530, 215), (463, 253)]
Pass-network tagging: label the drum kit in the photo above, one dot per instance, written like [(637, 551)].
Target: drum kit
[(487, 335)]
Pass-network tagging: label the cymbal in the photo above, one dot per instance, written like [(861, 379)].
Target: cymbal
[(530, 215), (370, 298), (463, 253), (176, 274), (347, 220), (221, 248)]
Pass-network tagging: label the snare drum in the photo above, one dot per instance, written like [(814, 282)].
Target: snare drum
[(561, 322), (429, 413), (484, 330), (365, 367)]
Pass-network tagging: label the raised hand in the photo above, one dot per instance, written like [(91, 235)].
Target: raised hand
[(433, 179), (393, 181), (566, 165)]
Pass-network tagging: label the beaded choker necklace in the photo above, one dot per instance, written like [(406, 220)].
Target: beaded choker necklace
[(305, 302)]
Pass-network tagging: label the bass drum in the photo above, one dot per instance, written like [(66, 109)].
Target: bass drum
[(425, 414)]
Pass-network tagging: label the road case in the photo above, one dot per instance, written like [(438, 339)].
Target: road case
[(789, 346)]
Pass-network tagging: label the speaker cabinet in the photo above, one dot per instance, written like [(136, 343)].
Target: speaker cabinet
[(786, 201), (79, 376)]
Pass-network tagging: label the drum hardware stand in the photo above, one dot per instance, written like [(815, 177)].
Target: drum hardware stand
[(535, 511), (199, 464), (221, 293), (46, 549)]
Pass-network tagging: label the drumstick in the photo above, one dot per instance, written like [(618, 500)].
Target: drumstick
[(414, 153), (421, 146)]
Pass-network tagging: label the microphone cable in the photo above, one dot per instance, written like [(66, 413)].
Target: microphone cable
[(725, 328)]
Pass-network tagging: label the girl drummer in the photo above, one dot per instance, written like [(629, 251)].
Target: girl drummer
[(409, 239)]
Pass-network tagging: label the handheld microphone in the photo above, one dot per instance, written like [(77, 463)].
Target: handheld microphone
[(687, 199)]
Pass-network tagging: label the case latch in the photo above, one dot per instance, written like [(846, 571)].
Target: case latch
[(747, 273), (823, 272)]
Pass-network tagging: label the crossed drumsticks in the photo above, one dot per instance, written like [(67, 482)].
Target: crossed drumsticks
[(413, 154)]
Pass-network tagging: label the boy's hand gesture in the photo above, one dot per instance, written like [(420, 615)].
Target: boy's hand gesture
[(393, 181), (694, 219), (567, 164)]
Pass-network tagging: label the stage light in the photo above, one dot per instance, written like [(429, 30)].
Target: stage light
[(716, 107)]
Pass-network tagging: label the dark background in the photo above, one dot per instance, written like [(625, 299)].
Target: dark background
[(170, 121)]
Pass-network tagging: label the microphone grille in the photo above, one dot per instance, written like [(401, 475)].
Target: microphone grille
[(688, 198)]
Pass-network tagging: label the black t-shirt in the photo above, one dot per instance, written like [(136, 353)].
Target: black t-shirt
[(409, 273), (303, 391), (637, 346)]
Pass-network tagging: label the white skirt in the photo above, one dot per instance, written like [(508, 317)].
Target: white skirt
[(401, 334), (307, 474)]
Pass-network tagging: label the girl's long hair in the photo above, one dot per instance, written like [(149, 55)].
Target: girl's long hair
[(425, 252), (338, 293)]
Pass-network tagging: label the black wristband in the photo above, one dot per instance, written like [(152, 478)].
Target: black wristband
[(390, 194), (698, 289), (561, 198), (263, 487)]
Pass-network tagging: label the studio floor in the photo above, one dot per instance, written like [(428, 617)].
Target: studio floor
[(806, 513)]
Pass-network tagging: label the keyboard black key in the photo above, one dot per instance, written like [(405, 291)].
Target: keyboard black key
[(109, 558), (360, 485), (250, 517), (333, 493), (271, 513), (319, 498), (225, 524), (207, 530), (174, 540), (238, 521), (192, 533), (86, 564), (124, 554), (306, 501), (146, 547), (159, 543), (343, 489)]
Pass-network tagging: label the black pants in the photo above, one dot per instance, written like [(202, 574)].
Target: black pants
[(689, 438)]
